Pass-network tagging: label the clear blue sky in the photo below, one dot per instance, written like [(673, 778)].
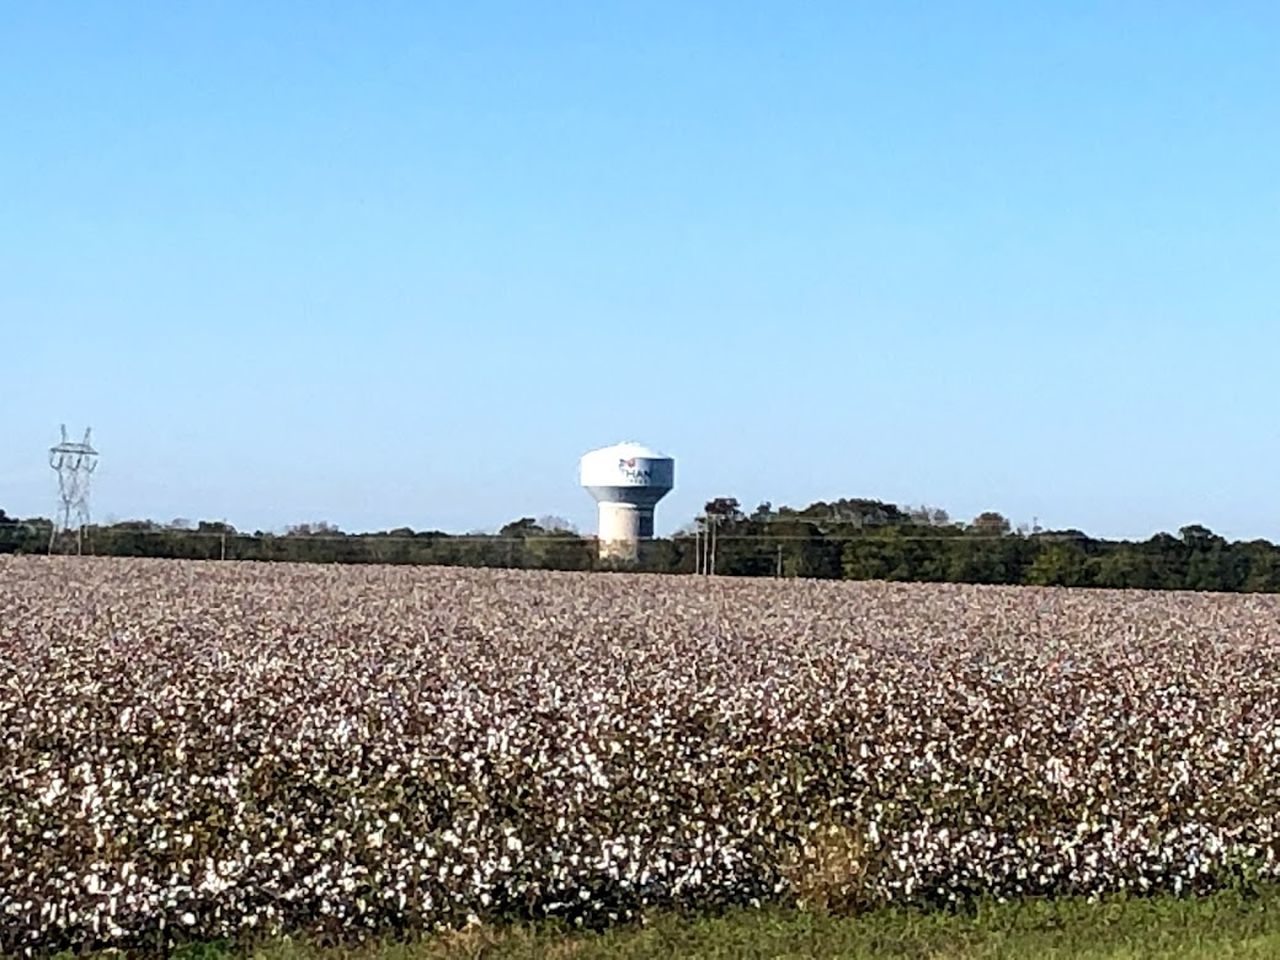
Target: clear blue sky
[(401, 263)]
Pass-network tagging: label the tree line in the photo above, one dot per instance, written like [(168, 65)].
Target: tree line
[(851, 539)]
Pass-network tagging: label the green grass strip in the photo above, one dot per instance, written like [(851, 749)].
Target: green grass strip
[(1232, 924)]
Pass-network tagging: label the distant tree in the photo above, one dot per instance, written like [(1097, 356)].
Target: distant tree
[(856, 511), (1197, 536), (888, 553), (1263, 560), (524, 527), (724, 508), (11, 534), (555, 524), (1167, 556), (318, 529), (1212, 563), (1122, 566), (1218, 568), (807, 552), (1061, 564), (528, 543), (990, 524), (1070, 534), (215, 526), (927, 516), (852, 537)]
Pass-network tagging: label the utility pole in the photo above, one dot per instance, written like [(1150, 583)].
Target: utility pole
[(711, 566)]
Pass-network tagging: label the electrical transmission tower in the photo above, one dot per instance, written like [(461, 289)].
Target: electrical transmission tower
[(74, 463)]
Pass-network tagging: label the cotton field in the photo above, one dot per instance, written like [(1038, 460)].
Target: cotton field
[(191, 751)]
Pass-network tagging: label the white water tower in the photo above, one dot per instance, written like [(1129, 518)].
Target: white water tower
[(627, 481)]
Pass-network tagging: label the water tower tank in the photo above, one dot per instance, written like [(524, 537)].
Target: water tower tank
[(627, 481)]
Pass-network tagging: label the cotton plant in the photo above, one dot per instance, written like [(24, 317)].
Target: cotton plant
[(197, 751)]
